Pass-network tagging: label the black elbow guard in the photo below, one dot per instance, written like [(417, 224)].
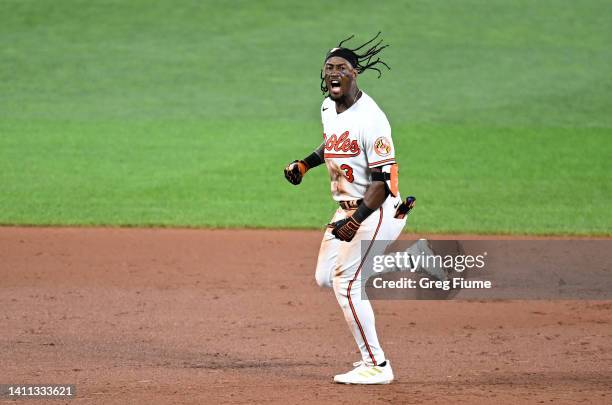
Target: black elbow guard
[(381, 176), (389, 176)]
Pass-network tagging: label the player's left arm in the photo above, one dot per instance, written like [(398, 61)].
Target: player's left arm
[(377, 192), (380, 155)]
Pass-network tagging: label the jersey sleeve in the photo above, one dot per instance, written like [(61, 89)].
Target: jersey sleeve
[(378, 144)]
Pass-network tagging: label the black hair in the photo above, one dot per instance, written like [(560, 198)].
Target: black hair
[(360, 61)]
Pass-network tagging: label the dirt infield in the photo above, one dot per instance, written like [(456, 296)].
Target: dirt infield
[(219, 316)]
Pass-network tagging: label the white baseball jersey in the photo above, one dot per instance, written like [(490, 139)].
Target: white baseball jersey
[(356, 140)]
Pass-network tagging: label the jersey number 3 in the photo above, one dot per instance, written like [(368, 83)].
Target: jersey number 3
[(348, 172)]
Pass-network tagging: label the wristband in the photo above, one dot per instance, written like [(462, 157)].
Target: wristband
[(362, 213), (313, 160)]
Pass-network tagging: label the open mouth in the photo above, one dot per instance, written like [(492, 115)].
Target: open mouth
[(335, 84)]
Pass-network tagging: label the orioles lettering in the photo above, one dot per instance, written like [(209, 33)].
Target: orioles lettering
[(341, 144)]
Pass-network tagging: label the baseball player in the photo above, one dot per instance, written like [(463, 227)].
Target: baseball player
[(359, 154)]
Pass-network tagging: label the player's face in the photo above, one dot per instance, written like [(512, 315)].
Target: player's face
[(339, 77)]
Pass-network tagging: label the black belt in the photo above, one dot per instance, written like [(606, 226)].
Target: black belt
[(349, 205)]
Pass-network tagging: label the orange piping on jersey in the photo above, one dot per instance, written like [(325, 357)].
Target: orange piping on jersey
[(381, 161)]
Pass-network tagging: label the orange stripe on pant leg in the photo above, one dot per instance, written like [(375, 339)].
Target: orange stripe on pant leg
[(351, 283)]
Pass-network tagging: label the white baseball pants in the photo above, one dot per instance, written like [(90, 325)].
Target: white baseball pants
[(339, 266)]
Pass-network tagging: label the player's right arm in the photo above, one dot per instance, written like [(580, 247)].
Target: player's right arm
[(295, 171)]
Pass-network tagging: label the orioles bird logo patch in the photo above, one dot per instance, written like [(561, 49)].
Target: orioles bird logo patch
[(382, 146)]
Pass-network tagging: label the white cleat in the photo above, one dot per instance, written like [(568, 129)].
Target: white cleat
[(364, 374)]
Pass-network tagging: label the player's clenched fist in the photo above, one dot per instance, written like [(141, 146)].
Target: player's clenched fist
[(345, 229), (295, 171)]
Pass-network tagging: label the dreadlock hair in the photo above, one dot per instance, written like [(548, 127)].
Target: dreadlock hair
[(360, 61)]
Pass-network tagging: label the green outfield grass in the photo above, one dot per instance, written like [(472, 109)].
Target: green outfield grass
[(185, 113)]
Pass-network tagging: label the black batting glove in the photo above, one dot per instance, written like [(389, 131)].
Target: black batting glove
[(345, 229), (294, 172)]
